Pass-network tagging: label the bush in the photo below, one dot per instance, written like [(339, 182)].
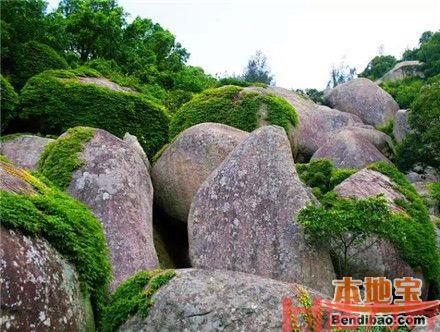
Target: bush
[(68, 225), (8, 100), (338, 222), (423, 143), (404, 91), (322, 176), (233, 106), (34, 58), (55, 101)]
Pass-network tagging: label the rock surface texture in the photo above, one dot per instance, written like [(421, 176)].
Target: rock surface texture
[(25, 150), (364, 98), (401, 126), (187, 162), (214, 300), (243, 216), (349, 149), (40, 289), (114, 182), (317, 122)]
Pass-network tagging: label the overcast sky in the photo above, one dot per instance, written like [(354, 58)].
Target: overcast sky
[(301, 38)]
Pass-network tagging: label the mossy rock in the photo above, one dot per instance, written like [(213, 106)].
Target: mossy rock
[(34, 58), (242, 108), (33, 206), (8, 100), (55, 101)]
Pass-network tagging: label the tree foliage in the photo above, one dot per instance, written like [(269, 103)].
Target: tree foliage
[(378, 66), (257, 70)]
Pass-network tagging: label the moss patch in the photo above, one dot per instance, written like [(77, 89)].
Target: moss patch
[(67, 225), (55, 101), (134, 296), (233, 106), (61, 157)]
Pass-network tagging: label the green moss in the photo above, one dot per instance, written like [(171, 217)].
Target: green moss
[(321, 175), (10, 137), (435, 191), (233, 106), (8, 101), (4, 159), (66, 224), (134, 296), (54, 101), (159, 153), (61, 157), (34, 58)]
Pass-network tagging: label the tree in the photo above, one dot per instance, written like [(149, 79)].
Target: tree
[(346, 227), (341, 74), (257, 70), (378, 66), (94, 27)]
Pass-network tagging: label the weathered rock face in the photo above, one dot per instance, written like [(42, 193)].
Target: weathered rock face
[(12, 183), (401, 70), (24, 151), (134, 143), (114, 182), (187, 162), (381, 259), (215, 300), (433, 326), (102, 81), (401, 126), (422, 178), (349, 149), (243, 216), (365, 99), (380, 140), (369, 183), (40, 289), (317, 122)]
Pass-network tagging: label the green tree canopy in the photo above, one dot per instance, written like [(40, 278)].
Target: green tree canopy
[(378, 66)]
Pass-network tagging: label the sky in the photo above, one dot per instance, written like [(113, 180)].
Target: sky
[(302, 39)]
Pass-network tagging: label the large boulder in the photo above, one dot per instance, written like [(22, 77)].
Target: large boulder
[(215, 300), (379, 257), (401, 70), (364, 98), (24, 150), (317, 122), (349, 149), (187, 162), (114, 182), (401, 126), (40, 288), (243, 108), (243, 217)]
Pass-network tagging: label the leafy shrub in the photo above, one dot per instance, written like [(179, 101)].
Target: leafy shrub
[(404, 91), (55, 101), (233, 106), (429, 54), (60, 157), (9, 100), (339, 224), (134, 296), (322, 176), (33, 58), (66, 224), (237, 81), (423, 143)]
